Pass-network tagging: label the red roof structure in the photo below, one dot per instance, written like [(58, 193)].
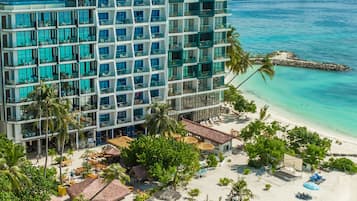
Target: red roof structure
[(114, 191), (206, 132)]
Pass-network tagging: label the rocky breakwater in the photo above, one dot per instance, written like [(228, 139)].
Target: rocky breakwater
[(285, 58)]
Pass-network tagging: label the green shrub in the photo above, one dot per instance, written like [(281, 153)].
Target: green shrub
[(224, 181), (194, 192), (267, 187), (212, 161), (58, 159), (142, 196), (229, 160), (246, 171), (342, 164), (220, 157)]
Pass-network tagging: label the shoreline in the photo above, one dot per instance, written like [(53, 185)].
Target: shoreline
[(349, 143)]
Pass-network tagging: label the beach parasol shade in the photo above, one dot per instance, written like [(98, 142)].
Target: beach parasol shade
[(121, 142), (173, 135), (204, 146), (190, 140), (311, 186)]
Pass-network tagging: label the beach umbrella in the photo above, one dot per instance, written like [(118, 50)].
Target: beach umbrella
[(204, 146), (190, 140), (121, 142), (311, 186)]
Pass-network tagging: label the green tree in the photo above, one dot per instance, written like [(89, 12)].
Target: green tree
[(66, 120), (263, 113), (114, 171), (11, 161), (266, 69), (241, 191), (266, 151), (167, 160), (342, 164), (159, 122), (212, 160), (46, 104)]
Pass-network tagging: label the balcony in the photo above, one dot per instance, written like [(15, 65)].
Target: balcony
[(106, 90), (106, 123), (140, 86), (141, 3), (123, 38), (204, 74), (205, 44), (27, 43), (47, 78), (86, 3), (141, 101), (218, 70), (66, 22), (189, 90), (69, 92), (175, 29), (69, 75), (68, 57), (158, 19), (30, 80), (155, 83), (175, 46), (158, 2), (124, 21), (141, 53), (157, 99), (221, 26), (141, 69), (121, 55), (191, 44), (107, 107), (87, 91), (106, 74), (174, 77), (123, 3), (105, 22), (192, 28), (206, 13), (220, 41), (192, 12), (175, 63), (157, 68), (218, 85), (47, 42), (87, 56), (139, 118), (21, 26), (105, 57), (158, 51), (89, 73), (124, 104), (189, 75), (221, 56), (87, 121), (174, 92), (124, 88), (204, 59), (83, 21), (87, 38), (89, 106), (176, 13), (123, 71), (221, 11), (107, 4), (17, 100), (47, 23), (204, 88), (68, 40), (26, 62), (206, 28), (176, 1), (157, 35), (29, 133), (123, 120), (48, 60), (141, 36), (21, 117), (105, 40), (190, 60)]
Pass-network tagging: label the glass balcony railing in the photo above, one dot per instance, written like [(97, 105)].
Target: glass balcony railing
[(206, 13), (175, 63), (141, 53), (87, 3), (141, 3), (141, 101), (68, 75), (123, 120), (124, 104), (29, 133), (141, 36), (123, 38), (27, 43), (89, 73), (192, 28), (105, 39), (157, 35), (30, 80), (158, 19), (141, 69), (176, 1), (85, 21), (107, 4), (206, 28), (174, 77), (68, 57), (220, 56), (218, 85), (140, 85), (175, 46), (124, 88), (21, 117), (47, 42), (157, 67), (47, 23), (123, 3), (105, 22), (69, 92), (66, 22), (205, 58), (106, 74), (158, 51), (190, 60), (106, 123), (218, 71), (68, 40), (89, 106), (21, 25), (139, 118), (87, 38), (221, 26), (204, 88), (124, 21), (47, 78), (205, 44), (120, 55), (204, 74), (220, 10), (190, 75), (87, 90), (105, 57), (87, 56), (191, 44), (189, 90), (123, 71), (140, 19), (176, 13), (158, 83), (157, 99), (107, 90), (158, 2), (175, 29), (25, 62), (174, 92), (48, 60), (107, 107), (192, 12), (220, 41)]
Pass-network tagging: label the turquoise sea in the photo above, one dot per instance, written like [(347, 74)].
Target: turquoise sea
[(320, 30)]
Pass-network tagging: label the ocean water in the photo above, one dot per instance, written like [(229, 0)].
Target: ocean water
[(319, 30)]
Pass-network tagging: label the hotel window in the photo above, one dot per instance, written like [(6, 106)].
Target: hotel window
[(155, 62), (155, 29), (121, 32), (104, 101), (104, 117), (122, 115), (84, 16), (139, 64), (121, 82), (121, 17), (154, 93), (104, 84), (139, 16), (139, 31), (121, 98), (104, 68), (155, 77), (23, 20), (103, 18), (65, 18), (104, 51), (155, 46), (139, 79), (121, 66), (103, 35), (25, 91), (121, 51), (138, 47)]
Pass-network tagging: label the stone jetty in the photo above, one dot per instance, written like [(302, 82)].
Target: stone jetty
[(286, 58)]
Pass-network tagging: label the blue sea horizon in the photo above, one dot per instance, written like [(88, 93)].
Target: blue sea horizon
[(319, 30)]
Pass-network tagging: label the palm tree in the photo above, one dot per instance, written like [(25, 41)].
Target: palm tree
[(263, 113), (241, 191), (112, 172), (46, 104), (159, 122), (66, 120), (10, 167), (267, 69), (239, 60)]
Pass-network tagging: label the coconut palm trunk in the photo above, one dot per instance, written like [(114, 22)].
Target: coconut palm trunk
[(246, 79), (46, 144)]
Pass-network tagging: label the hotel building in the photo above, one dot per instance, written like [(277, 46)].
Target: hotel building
[(111, 59)]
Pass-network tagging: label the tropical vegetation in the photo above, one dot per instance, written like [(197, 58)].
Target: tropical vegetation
[(240, 191), (159, 122), (341, 164)]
